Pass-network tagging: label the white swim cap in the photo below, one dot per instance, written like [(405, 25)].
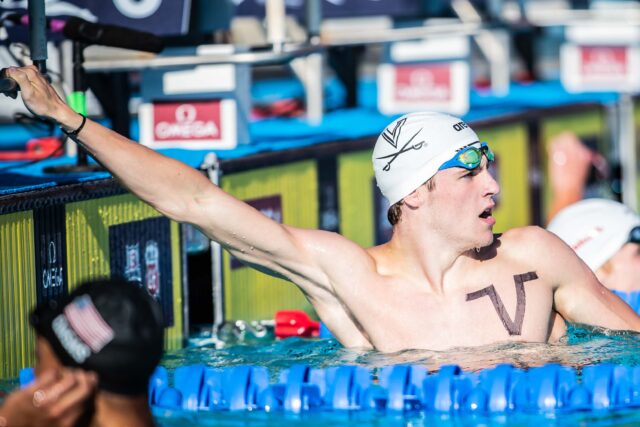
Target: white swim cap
[(411, 149), (595, 228)]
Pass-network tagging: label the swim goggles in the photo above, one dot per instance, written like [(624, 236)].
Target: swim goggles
[(469, 157), (634, 234)]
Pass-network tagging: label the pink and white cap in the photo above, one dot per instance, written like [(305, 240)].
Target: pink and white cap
[(595, 228), (410, 150)]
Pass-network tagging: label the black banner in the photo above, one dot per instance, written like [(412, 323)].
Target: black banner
[(160, 17), (50, 252), (140, 252), (340, 8)]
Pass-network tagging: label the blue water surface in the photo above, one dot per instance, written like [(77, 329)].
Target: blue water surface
[(582, 347)]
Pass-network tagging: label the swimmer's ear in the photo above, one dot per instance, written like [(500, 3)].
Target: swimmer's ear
[(415, 199)]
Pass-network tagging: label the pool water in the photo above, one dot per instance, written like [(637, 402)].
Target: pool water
[(582, 347), (324, 419)]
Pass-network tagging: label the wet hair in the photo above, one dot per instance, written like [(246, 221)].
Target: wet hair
[(395, 211)]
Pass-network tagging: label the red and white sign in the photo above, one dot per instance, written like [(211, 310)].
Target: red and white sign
[(197, 124), (429, 74), (440, 86), (597, 68), (423, 82), (603, 62)]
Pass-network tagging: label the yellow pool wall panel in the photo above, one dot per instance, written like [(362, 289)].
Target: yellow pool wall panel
[(636, 120), (88, 255), (249, 294), (510, 143), (356, 197), (17, 292)]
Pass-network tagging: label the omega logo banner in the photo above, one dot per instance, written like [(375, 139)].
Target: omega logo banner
[(161, 17), (439, 86), (209, 124), (339, 8), (50, 252), (601, 58), (600, 68), (140, 252), (424, 82), (425, 75)]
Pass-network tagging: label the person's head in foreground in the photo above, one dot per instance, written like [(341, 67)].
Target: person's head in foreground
[(407, 156), (606, 235), (110, 327)]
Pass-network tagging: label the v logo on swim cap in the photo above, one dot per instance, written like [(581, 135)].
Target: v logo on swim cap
[(411, 149), (392, 134), (407, 146)]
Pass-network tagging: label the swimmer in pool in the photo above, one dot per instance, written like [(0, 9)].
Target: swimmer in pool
[(604, 233), (96, 350), (443, 280)]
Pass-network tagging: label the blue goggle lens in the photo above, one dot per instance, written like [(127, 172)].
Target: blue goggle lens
[(470, 157)]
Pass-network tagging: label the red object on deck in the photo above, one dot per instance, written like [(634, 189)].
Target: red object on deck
[(295, 323), (35, 149)]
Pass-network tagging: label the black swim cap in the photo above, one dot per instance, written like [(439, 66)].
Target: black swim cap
[(111, 327)]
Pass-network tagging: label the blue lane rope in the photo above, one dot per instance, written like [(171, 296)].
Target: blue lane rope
[(396, 389)]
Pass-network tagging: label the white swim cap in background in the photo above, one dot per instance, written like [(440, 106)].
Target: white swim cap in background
[(595, 228), (411, 149)]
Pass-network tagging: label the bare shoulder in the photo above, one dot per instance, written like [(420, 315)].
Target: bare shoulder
[(540, 249), (332, 251), (531, 240)]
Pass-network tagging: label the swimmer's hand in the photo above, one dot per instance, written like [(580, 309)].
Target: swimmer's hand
[(40, 97), (569, 164), (55, 399)]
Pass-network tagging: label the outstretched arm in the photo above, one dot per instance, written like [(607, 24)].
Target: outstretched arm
[(163, 182), (182, 193)]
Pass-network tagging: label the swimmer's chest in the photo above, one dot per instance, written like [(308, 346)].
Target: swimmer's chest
[(513, 306)]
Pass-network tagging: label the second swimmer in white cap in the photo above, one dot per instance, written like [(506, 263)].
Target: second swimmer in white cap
[(443, 280), (606, 235)]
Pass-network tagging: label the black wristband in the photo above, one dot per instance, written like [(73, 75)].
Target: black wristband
[(74, 133)]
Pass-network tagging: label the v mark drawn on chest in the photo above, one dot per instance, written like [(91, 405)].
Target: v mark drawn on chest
[(514, 327)]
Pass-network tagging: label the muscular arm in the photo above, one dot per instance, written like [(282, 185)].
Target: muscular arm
[(183, 194), (579, 297)]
